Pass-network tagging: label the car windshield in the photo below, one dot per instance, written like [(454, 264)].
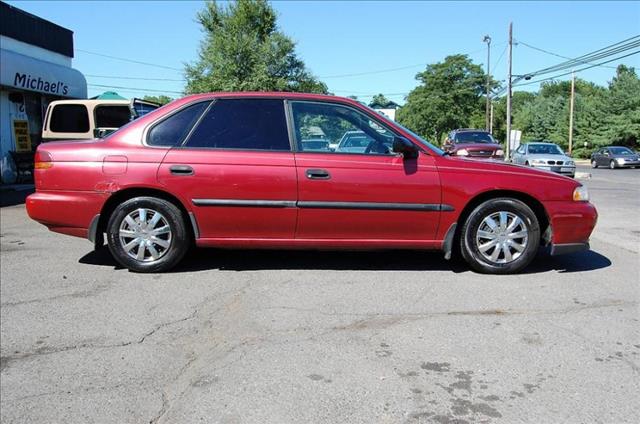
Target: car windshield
[(422, 140), (474, 137), (545, 149), (620, 151)]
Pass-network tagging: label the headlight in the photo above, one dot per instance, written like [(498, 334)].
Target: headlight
[(570, 163), (620, 160), (538, 162), (581, 194), (462, 152), (499, 152)]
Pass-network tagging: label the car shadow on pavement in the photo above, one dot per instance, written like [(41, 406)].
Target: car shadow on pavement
[(395, 260)]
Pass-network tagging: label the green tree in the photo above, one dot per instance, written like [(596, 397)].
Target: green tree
[(161, 99), (380, 101), (449, 94), (622, 108), (243, 50)]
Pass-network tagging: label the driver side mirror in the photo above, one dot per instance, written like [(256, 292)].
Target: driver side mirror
[(404, 146)]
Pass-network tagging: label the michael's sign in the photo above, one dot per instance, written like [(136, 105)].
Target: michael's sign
[(29, 82), (28, 73)]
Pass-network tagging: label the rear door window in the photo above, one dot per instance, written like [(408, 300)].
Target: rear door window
[(172, 130), (249, 124), (69, 119), (112, 116)]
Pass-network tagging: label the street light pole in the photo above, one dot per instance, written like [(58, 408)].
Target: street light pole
[(487, 40), (573, 90), (508, 145)]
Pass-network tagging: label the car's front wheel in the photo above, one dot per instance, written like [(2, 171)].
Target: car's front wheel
[(594, 164), (500, 236), (612, 164), (147, 234)]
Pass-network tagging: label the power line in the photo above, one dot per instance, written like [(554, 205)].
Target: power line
[(129, 60), (578, 70), (133, 78), (555, 54), (495, 65), (380, 71), (602, 53), (134, 88)]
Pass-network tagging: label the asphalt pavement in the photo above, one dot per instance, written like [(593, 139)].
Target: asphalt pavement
[(322, 337)]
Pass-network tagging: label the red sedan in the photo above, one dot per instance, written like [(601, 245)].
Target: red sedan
[(233, 170)]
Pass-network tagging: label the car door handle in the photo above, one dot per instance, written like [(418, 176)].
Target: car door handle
[(318, 174), (181, 170)]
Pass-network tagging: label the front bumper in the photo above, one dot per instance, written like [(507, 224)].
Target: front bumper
[(563, 249), (559, 169), (571, 222), (627, 164)]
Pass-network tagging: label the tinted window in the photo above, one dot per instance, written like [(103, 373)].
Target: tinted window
[(335, 124), (620, 151), (545, 149), (175, 128), (143, 108), (112, 116), (70, 119), (474, 137), (243, 124)]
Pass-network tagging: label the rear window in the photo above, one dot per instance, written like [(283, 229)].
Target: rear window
[(112, 116), (69, 119), (474, 137), (251, 124), (173, 130)]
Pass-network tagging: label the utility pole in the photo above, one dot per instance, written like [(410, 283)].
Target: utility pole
[(491, 119), (508, 147), (573, 91), (487, 40)]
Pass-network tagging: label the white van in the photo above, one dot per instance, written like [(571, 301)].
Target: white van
[(88, 119)]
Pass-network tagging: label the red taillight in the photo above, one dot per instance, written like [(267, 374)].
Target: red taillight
[(42, 160)]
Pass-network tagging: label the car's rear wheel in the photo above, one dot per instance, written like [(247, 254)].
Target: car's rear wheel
[(594, 164), (612, 164), (500, 236), (147, 234)]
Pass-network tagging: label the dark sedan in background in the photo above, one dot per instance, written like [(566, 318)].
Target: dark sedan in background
[(615, 157)]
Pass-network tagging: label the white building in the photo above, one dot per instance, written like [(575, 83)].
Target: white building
[(35, 69)]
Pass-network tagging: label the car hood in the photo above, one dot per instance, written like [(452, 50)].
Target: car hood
[(550, 157), (500, 167), (477, 146)]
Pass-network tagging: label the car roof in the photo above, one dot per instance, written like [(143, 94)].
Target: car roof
[(267, 94)]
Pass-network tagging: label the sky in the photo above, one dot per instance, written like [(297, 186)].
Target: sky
[(356, 47)]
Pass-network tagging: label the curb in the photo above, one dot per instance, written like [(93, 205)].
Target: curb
[(582, 176)]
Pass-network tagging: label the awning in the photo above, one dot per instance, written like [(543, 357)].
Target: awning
[(26, 73)]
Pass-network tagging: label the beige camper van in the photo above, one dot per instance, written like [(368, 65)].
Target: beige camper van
[(87, 119)]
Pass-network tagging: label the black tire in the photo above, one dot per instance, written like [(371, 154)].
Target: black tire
[(526, 163), (612, 164), (476, 220), (177, 241), (594, 164)]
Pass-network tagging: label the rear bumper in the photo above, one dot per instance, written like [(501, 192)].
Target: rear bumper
[(66, 212)]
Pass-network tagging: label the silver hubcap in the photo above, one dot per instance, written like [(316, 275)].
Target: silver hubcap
[(145, 235), (502, 237)]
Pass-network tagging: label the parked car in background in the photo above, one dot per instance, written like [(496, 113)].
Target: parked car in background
[(232, 170), (314, 144), (473, 143), (546, 156), (615, 157), (87, 119)]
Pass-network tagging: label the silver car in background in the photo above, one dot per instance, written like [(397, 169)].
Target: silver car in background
[(547, 156)]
